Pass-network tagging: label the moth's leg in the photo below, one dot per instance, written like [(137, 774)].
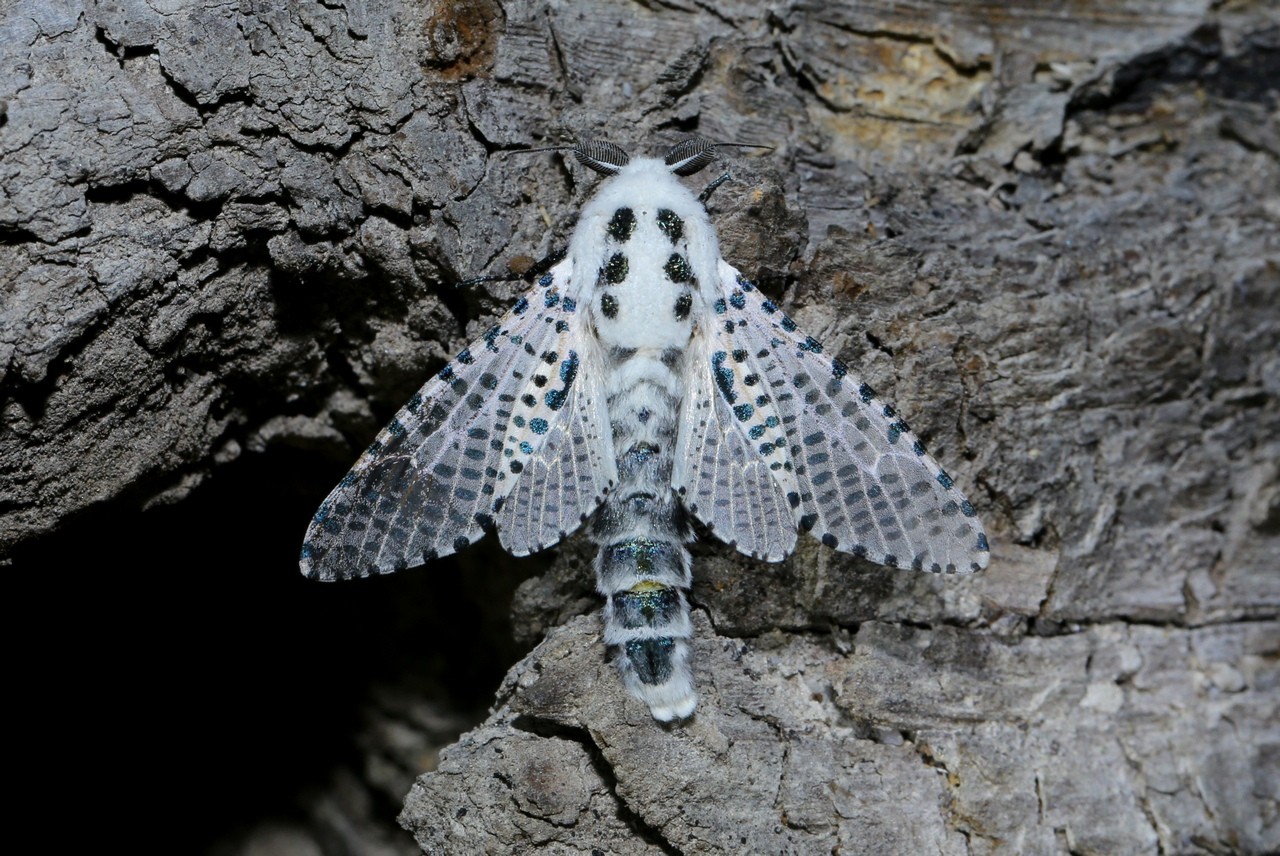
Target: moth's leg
[(710, 188), (538, 268), (529, 274)]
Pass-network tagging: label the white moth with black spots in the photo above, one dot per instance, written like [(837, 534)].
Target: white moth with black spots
[(642, 381)]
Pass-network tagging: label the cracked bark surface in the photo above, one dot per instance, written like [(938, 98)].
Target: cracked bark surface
[(228, 233)]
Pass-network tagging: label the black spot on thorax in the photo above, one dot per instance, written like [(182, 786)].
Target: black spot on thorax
[(615, 270), (683, 304), (622, 225), (677, 269), (671, 225)]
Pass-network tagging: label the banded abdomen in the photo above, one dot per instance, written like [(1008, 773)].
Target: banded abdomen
[(642, 567)]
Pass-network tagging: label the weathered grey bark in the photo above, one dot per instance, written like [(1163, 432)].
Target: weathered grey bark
[(230, 228)]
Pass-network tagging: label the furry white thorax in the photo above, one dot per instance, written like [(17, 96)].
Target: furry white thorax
[(644, 319)]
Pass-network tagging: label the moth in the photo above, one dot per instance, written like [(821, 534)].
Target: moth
[(643, 382)]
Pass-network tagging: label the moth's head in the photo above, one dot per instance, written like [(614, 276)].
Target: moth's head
[(684, 158)]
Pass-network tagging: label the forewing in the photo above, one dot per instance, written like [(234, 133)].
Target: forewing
[(439, 474), (851, 470)]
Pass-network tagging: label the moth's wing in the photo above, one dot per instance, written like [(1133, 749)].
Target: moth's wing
[(438, 475), (566, 479), (720, 477), (852, 472)]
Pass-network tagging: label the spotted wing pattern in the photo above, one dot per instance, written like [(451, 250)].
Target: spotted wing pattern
[(851, 471), (565, 480), (440, 473), (719, 475)]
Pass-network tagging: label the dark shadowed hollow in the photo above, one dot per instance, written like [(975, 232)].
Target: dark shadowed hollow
[(190, 662)]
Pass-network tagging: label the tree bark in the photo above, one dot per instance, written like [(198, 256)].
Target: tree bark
[(229, 233)]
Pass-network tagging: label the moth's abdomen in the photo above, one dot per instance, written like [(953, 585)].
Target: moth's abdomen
[(646, 621), (643, 568)]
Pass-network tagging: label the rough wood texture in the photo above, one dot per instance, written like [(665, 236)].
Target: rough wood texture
[(229, 230)]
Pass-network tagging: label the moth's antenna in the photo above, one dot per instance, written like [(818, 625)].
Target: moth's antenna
[(546, 149), (689, 156), (599, 155), (605, 158), (746, 146)]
